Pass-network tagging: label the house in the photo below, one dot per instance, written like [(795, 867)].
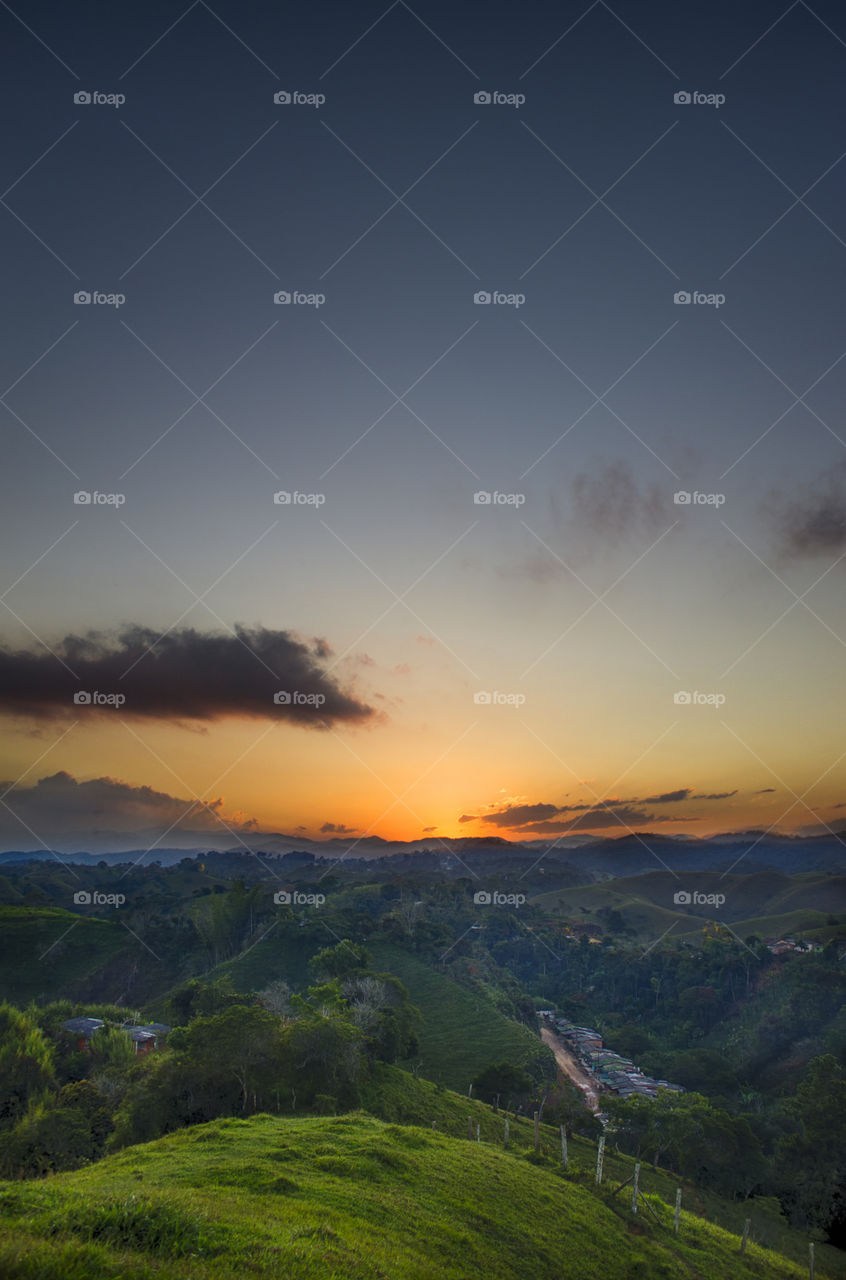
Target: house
[(146, 1037), (83, 1029)]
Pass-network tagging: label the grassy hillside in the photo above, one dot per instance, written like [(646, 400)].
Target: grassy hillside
[(43, 949), (345, 1197), (765, 903), (462, 1033)]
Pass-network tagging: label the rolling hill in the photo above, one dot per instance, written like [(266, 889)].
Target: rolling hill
[(348, 1197)]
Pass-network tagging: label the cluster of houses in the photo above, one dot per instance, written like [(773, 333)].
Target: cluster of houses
[(781, 946), (144, 1038), (607, 1069)]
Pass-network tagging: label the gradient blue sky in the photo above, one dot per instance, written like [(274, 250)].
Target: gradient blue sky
[(598, 199)]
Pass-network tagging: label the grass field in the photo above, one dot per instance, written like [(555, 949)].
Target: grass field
[(462, 1033), (43, 949), (346, 1197)]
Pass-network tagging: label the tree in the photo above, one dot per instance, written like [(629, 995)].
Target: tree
[(340, 961), (812, 1160), (26, 1064), (502, 1081)]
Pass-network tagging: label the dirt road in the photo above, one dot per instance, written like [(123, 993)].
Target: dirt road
[(570, 1067)]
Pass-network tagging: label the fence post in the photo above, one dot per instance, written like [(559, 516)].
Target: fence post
[(478, 1132), (811, 1260), (678, 1211), (537, 1131), (506, 1132), (634, 1186), (563, 1146), (746, 1225), (600, 1151)]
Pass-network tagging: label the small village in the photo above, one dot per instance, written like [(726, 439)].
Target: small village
[(144, 1037), (609, 1071)]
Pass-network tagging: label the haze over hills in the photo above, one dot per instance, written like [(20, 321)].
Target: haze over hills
[(592, 857)]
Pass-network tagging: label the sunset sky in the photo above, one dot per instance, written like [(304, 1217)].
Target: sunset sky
[(584, 599)]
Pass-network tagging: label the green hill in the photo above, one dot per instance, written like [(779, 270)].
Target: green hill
[(462, 1032), (346, 1197), (43, 949)]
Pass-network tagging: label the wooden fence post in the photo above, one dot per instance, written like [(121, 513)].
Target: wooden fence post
[(811, 1260), (563, 1146), (506, 1132), (634, 1186), (600, 1151), (478, 1132), (678, 1211), (537, 1131), (746, 1225)]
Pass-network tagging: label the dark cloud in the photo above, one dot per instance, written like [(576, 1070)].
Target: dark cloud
[(337, 828), (538, 817), (814, 522), (609, 504), (184, 675), (519, 814), (717, 795), (764, 791), (61, 806), (601, 816)]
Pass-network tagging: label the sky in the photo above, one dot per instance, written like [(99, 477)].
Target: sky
[(422, 420)]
